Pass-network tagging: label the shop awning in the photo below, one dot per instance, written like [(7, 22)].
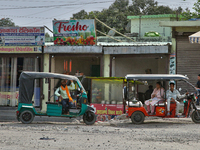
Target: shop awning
[(195, 38)]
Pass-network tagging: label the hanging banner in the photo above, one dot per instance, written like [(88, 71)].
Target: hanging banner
[(74, 32), (16, 36), (20, 49)]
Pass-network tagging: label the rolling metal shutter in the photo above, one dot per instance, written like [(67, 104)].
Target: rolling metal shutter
[(188, 61)]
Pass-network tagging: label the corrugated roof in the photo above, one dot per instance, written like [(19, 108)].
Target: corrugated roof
[(134, 43), (153, 16)]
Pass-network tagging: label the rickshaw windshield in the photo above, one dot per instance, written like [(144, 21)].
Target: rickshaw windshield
[(26, 83)]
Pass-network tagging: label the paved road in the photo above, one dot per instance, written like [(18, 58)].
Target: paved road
[(160, 134)]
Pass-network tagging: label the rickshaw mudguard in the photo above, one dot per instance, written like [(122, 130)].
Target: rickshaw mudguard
[(131, 110), (83, 109), (24, 106)]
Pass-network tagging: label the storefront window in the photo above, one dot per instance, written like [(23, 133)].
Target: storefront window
[(10, 70), (107, 91)]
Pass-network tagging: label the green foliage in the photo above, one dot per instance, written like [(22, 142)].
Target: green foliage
[(47, 35), (196, 14), (116, 15), (6, 22)]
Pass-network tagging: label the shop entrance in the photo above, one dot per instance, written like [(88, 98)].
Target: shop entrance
[(77, 65), (10, 70)]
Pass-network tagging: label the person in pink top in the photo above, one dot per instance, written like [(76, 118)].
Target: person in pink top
[(158, 94)]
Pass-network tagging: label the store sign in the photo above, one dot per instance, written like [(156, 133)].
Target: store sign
[(16, 36), (20, 49), (106, 112), (108, 109), (9, 95), (74, 32)]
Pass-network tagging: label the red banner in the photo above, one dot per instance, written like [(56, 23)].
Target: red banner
[(108, 109)]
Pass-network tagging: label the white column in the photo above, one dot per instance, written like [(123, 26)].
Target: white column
[(106, 65), (45, 85), (52, 81)]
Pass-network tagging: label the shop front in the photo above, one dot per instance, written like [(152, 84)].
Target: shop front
[(138, 58), (11, 66), (20, 50), (76, 60)]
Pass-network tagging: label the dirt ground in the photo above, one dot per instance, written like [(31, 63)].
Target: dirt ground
[(168, 134)]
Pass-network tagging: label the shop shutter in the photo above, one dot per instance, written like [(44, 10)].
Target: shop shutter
[(188, 61)]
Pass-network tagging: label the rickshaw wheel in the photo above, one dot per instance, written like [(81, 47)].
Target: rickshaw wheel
[(89, 118), (26, 117), (194, 117), (137, 117)]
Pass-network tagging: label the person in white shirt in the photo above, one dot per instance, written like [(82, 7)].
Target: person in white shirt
[(65, 95), (172, 95)]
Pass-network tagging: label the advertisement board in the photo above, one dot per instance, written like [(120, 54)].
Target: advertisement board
[(107, 112), (20, 49), (19, 36), (74, 32)]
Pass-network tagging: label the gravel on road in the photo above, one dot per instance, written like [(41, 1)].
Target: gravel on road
[(165, 134)]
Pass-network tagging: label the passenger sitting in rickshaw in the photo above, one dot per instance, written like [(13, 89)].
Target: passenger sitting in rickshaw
[(157, 95), (171, 96), (65, 95)]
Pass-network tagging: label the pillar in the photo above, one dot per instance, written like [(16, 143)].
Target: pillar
[(53, 69), (106, 65), (45, 85)]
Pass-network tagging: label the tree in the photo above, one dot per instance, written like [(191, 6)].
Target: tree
[(6, 22), (47, 35), (116, 15), (196, 14)]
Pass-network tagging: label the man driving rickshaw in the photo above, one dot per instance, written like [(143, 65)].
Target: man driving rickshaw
[(65, 96)]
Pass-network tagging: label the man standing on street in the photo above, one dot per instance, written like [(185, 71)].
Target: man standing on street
[(198, 88), (65, 95)]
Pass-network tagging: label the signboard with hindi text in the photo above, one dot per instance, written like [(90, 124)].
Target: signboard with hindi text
[(22, 36), (74, 32), (20, 49)]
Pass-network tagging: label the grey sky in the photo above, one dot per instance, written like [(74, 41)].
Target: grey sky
[(43, 16)]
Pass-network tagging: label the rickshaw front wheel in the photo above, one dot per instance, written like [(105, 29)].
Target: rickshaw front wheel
[(89, 118), (26, 117), (195, 117), (137, 117)]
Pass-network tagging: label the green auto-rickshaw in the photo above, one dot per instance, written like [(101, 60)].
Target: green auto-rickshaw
[(26, 111)]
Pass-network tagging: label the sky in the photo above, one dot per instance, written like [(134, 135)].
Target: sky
[(42, 12)]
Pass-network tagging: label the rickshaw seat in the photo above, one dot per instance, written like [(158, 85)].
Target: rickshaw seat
[(51, 103)]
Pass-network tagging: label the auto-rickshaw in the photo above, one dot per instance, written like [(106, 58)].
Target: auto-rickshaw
[(26, 111), (136, 110)]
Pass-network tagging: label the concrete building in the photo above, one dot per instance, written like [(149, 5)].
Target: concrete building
[(146, 23), (187, 54)]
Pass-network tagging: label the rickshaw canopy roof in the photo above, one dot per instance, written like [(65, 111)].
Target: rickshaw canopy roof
[(26, 75), (27, 80), (166, 77)]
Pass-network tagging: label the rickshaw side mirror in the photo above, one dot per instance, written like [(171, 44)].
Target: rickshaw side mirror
[(79, 89)]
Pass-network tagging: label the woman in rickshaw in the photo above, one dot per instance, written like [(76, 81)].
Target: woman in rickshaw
[(157, 95)]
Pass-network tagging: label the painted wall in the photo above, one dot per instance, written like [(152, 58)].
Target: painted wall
[(138, 65), (150, 24)]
